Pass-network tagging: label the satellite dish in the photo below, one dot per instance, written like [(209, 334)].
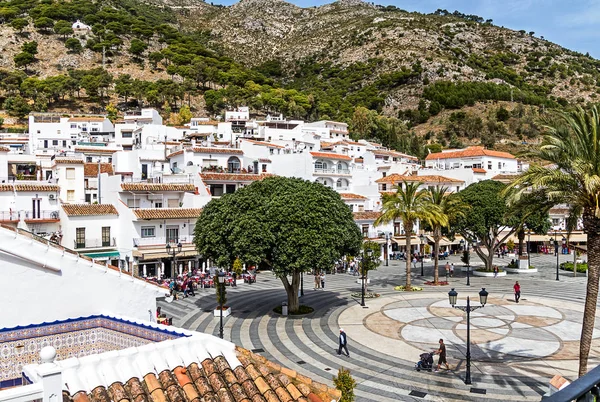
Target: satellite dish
[(301, 145)]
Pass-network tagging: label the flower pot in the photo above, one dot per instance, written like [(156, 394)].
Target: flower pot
[(226, 311)]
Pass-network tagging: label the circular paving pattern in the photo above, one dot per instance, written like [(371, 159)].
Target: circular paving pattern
[(502, 329)]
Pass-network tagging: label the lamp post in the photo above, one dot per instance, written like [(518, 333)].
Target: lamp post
[(173, 251), (127, 264), (368, 253), (452, 296), (301, 283), (221, 281), (422, 238), (464, 243), (528, 248), (555, 240)]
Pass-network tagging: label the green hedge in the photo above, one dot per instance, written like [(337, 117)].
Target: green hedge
[(568, 266)]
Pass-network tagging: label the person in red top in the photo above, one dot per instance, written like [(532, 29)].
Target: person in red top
[(517, 289)]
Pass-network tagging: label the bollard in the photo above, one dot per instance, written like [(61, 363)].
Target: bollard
[(284, 309)]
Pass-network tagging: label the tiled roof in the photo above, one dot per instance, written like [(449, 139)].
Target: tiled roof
[(366, 216), (167, 213), (351, 196), (91, 169), (385, 152), (206, 123), (504, 177), (195, 368), (263, 143), (264, 160), (558, 211), (89, 209), (4, 149), (175, 153), (397, 178), (86, 119), (67, 161), (359, 160), (328, 155), (467, 153), (234, 176), (479, 170), (33, 187), (200, 150), (158, 187), (95, 150)]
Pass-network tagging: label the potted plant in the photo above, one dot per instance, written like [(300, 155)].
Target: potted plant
[(510, 246)]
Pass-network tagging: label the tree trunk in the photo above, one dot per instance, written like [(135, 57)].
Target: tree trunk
[(592, 227), (292, 291), (409, 257), (521, 237), (437, 235)]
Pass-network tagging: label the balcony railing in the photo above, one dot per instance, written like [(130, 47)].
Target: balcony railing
[(160, 241), (331, 171), (95, 243), (16, 216)]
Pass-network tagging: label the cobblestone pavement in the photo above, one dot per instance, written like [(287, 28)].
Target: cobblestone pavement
[(516, 348)]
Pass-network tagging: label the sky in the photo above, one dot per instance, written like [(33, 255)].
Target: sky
[(573, 24)]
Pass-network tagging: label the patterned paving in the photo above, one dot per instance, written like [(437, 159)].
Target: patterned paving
[(517, 348)]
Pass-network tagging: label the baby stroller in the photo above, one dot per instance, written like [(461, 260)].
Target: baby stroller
[(426, 362)]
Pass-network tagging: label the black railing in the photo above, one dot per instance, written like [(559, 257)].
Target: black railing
[(585, 388)]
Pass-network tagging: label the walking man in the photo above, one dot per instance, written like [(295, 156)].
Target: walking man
[(317, 281), (343, 343), (323, 280), (452, 270), (517, 289), (442, 352), (414, 261)]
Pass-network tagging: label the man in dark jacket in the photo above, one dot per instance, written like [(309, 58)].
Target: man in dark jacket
[(343, 343)]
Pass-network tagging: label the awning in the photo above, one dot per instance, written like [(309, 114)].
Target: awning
[(380, 240), (103, 255), (148, 255)]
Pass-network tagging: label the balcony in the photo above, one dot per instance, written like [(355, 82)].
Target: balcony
[(160, 241), (95, 243), (331, 171), (29, 216)]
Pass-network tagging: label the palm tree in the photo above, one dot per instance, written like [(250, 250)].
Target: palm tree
[(409, 204), (450, 208), (570, 174)]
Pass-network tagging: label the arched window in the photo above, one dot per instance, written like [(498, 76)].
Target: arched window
[(233, 165), (339, 182)]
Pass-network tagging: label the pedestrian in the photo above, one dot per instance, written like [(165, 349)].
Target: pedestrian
[(343, 343), (447, 270), (495, 271), (323, 280), (451, 270), (414, 261), (317, 281), (184, 286), (517, 289), (442, 352)]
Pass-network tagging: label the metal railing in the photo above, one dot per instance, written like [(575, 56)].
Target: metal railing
[(95, 243), (324, 171), (160, 241), (28, 215), (583, 389)]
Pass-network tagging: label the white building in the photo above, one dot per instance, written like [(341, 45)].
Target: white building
[(69, 174)]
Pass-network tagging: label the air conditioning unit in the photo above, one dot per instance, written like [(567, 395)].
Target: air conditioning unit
[(51, 196)]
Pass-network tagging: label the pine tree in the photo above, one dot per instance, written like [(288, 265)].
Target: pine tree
[(346, 384)]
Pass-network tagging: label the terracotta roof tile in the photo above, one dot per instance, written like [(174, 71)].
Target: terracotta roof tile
[(366, 216), (264, 160), (67, 161), (385, 152), (36, 187), (479, 170), (234, 176), (201, 150), (504, 177), (328, 155), (351, 196), (263, 143), (89, 209), (4, 149), (167, 213), (467, 153), (359, 160), (158, 187), (91, 169), (397, 178), (175, 153)]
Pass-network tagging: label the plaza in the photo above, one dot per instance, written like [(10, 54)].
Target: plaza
[(516, 348)]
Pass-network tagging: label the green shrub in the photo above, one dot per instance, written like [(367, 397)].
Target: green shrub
[(568, 266), (346, 384)]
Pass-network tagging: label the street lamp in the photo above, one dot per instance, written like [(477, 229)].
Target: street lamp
[(301, 283), (463, 242), (528, 248), (173, 251), (452, 296), (555, 240), (221, 281), (422, 237), (369, 253)]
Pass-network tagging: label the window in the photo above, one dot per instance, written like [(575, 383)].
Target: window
[(361, 208), (396, 228), (88, 198), (127, 147), (490, 165), (229, 188), (70, 173), (384, 187), (365, 230), (133, 203), (70, 195), (80, 238), (54, 142), (173, 203), (271, 151), (106, 236), (555, 221), (64, 143), (73, 142), (499, 165), (126, 134), (58, 132), (73, 125), (148, 231), (233, 165), (110, 159), (384, 174), (216, 190), (320, 165), (88, 159), (95, 129), (264, 168), (172, 234), (209, 162), (158, 205)]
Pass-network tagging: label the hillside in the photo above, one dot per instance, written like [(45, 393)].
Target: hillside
[(388, 72)]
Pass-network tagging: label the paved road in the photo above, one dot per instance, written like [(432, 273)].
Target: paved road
[(308, 344)]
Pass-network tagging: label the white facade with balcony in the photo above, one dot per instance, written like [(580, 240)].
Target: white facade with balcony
[(69, 175)]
